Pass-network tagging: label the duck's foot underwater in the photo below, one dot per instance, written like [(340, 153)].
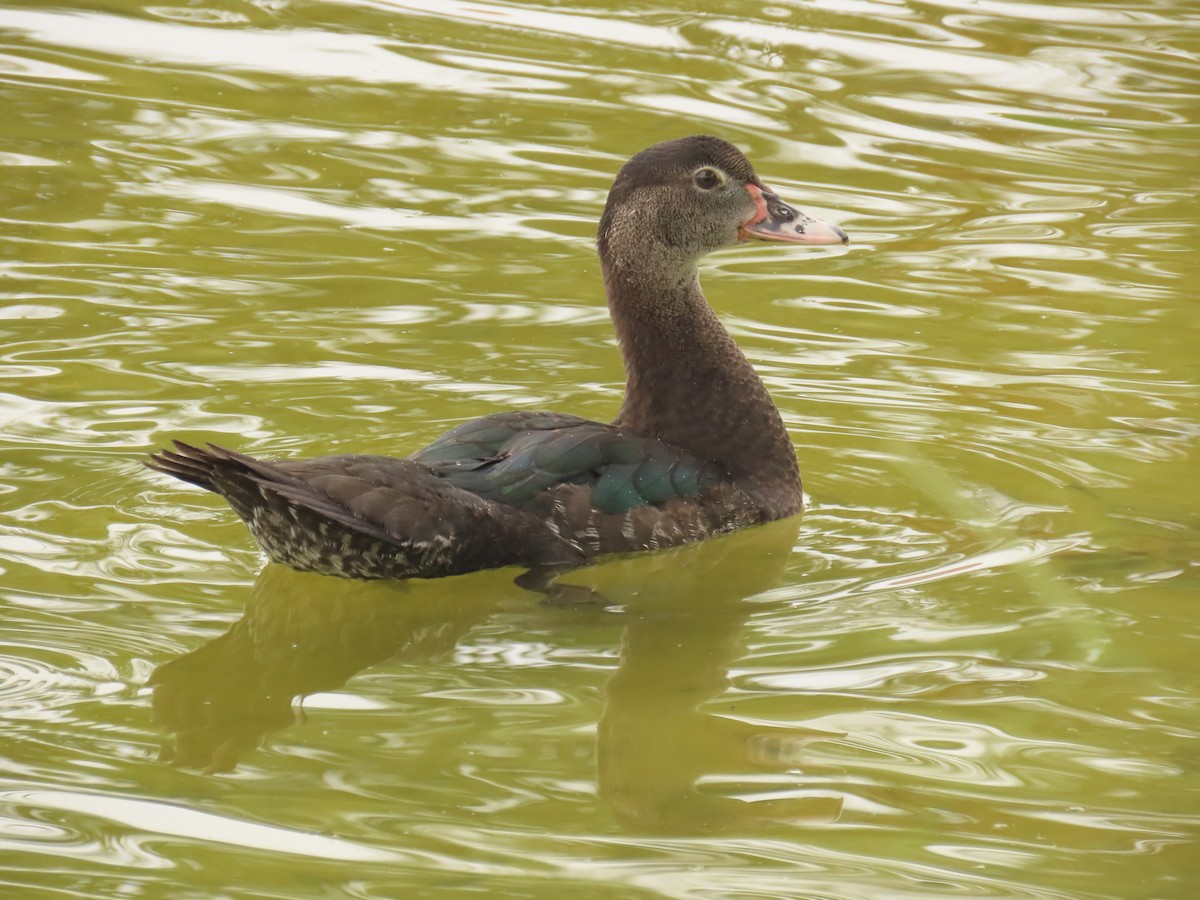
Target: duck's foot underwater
[(543, 580)]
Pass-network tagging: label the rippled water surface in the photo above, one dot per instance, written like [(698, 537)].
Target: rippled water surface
[(970, 670)]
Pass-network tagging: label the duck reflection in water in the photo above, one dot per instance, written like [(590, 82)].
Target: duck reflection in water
[(682, 614)]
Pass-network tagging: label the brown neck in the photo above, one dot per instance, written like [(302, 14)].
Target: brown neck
[(688, 384)]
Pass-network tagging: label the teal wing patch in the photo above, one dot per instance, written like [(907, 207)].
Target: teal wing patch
[(514, 458)]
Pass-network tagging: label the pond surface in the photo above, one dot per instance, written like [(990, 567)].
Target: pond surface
[(972, 669)]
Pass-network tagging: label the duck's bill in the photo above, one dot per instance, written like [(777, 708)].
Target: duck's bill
[(776, 221)]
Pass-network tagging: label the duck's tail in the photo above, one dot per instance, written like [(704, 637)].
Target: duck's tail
[(366, 516)]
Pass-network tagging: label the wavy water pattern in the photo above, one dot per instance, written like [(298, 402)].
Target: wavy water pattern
[(968, 671)]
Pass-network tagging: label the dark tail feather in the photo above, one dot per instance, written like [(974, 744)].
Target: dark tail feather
[(187, 463), (365, 516)]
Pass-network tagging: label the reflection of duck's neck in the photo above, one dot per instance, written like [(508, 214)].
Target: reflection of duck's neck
[(654, 740), (660, 736), (300, 634)]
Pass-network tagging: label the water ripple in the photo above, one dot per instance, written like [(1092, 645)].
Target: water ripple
[(173, 820), (298, 52), (967, 671)]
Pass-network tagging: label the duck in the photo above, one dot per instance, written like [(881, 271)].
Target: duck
[(697, 449)]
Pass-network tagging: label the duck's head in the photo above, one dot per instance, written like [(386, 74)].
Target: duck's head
[(678, 200)]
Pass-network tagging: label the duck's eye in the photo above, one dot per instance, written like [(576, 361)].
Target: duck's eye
[(706, 179)]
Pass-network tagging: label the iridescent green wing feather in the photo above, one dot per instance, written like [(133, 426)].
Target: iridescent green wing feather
[(514, 458)]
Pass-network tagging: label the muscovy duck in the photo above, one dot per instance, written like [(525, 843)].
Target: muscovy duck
[(697, 449)]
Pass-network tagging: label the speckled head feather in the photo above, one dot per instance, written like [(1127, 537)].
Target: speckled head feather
[(682, 156), (658, 222)]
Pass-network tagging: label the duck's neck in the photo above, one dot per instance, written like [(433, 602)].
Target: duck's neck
[(688, 384)]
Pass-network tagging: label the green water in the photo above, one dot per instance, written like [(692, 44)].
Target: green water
[(972, 669)]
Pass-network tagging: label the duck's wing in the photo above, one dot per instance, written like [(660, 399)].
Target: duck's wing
[(522, 458), (601, 488)]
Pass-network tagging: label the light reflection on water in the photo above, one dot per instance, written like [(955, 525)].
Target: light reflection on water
[(969, 669)]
